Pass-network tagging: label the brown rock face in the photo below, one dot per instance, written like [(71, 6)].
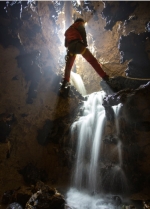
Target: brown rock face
[(134, 129)]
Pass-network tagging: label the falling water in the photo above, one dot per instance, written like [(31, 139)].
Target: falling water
[(77, 82), (90, 129), (116, 111), (87, 178)]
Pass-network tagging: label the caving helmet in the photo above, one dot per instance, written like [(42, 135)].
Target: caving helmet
[(79, 20)]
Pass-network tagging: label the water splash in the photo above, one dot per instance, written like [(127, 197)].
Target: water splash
[(82, 200)]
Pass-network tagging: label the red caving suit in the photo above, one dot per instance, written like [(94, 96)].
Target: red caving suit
[(76, 42)]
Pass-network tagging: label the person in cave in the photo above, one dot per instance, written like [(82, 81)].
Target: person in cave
[(76, 43)]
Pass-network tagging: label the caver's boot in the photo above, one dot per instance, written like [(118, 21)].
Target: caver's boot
[(64, 89), (64, 83), (106, 78)]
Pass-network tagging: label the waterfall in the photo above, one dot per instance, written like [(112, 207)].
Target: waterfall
[(116, 111), (77, 82), (90, 129), (91, 173)]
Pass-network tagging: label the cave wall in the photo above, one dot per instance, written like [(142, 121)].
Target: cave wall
[(133, 133), (119, 35), (29, 93)]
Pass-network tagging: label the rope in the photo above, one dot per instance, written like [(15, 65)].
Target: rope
[(144, 79)]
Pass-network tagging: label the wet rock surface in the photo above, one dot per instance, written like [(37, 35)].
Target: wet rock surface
[(46, 197), (18, 196), (69, 91), (14, 205), (7, 196), (110, 139), (123, 95), (121, 83), (58, 131), (38, 196)]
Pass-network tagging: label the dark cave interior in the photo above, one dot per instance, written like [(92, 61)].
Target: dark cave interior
[(35, 119)]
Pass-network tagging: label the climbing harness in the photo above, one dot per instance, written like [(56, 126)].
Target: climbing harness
[(83, 51)]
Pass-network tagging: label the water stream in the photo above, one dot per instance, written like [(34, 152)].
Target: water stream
[(116, 111), (77, 82), (89, 178), (89, 128)]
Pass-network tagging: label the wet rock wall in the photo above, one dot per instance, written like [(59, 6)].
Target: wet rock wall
[(134, 131)]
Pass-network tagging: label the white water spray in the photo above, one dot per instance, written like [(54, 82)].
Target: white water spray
[(82, 200)]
